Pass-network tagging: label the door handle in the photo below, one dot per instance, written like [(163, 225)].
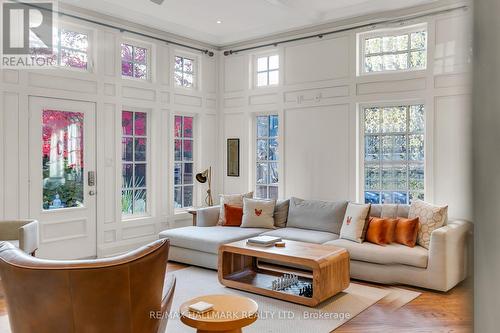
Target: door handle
[(91, 192)]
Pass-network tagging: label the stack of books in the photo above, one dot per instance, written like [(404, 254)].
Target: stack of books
[(264, 241), (201, 307)]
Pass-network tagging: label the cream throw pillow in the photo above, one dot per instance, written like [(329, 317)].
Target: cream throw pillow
[(431, 217), (354, 222), (258, 213), (231, 200)]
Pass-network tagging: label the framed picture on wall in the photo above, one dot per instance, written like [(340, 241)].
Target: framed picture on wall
[(233, 157)]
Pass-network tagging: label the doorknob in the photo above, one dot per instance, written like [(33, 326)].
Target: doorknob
[(91, 192)]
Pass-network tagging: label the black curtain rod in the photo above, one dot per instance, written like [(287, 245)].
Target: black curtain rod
[(205, 51), (366, 25)]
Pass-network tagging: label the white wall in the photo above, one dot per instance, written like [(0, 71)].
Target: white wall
[(105, 87), (318, 100), (317, 105)]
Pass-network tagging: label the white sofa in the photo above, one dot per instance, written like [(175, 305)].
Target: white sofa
[(441, 267)]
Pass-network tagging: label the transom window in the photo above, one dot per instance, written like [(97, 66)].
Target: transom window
[(134, 61), (268, 70), (184, 72), (267, 157), (393, 153), (70, 49), (395, 52), (183, 162), (134, 163)]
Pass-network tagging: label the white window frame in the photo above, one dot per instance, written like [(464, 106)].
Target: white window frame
[(196, 70), (254, 154), (194, 140), (90, 49), (426, 163), (256, 71), (149, 59), (362, 37), (148, 162)]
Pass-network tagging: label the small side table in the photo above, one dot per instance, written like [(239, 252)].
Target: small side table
[(230, 314), (192, 211)]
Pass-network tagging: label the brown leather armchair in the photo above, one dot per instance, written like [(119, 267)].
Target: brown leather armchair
[(123, 294)]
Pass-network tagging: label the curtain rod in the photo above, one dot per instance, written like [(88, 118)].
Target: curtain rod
[(204, 51), (365, 25)]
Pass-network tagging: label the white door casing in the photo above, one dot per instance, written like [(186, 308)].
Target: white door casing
[(65, 232)]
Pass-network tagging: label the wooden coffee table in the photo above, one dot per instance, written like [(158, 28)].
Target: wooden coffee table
[(253, 268), (230, 314)]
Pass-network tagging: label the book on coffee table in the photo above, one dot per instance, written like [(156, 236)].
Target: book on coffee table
[(263, 241)]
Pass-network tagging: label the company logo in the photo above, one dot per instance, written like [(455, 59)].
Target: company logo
[(27, 34)]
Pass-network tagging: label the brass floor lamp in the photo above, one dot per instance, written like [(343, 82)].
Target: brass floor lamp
[(203, 177)]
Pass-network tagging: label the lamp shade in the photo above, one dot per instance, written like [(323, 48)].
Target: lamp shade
[(202, 177)]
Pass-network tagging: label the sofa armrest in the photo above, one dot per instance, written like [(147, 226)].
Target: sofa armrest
[(207, 217), (448, 252), (28, 237)]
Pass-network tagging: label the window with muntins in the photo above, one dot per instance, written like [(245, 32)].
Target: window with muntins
[(70, 49), (390, 52), (267, 157), (134, 163), (393, 153), (268, 70), (183, 162), (184, 72), (134, 61)]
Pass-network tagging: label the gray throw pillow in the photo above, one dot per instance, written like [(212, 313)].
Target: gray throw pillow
[(281, 213), (316, 215)]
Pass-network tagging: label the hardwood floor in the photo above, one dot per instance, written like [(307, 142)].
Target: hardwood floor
[(431, 312)]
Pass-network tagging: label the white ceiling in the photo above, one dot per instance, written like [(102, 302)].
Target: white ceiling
[(241, 19)]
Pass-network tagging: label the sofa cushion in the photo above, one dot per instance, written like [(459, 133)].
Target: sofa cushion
[(389, 210), (431, 217), (208, 239), (355, 222), (303, 235), (281, 213), (316, 215), (258, 213), (389, 254)]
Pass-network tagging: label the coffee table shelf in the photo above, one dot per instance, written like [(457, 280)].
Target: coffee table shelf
[(326, 267)]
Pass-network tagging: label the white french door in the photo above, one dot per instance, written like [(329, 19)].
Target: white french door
[(62, 157)]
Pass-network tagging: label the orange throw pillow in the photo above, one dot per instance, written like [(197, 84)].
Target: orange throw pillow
[(391, 229), (406, 231), (377, 230), (233, 215)]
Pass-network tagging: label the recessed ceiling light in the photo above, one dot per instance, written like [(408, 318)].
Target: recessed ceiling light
[(219, 21)]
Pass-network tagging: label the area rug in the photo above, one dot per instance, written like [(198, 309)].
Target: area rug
[(278, 316)]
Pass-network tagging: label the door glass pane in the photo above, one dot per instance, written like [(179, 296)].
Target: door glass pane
[(62, 159)]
